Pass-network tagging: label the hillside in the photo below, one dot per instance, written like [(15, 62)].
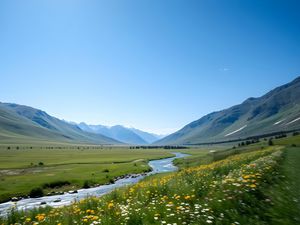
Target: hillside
[(23, 124), (148, 137), (278, 110)]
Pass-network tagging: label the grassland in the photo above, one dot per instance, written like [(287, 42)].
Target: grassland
[(24, 169), (254, 184)]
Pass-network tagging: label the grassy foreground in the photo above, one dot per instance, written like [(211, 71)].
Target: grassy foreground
[(62, 169), (253, 185), (235, 190)]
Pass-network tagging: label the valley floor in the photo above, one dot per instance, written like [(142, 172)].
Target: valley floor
[(68, 168), (252, 185)]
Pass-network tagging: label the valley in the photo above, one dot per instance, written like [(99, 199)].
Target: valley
[(68, 168), (132, 112), (41, 155), (209, 188)]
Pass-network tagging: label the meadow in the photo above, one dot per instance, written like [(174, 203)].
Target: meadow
[(248, 185), (59, 169)]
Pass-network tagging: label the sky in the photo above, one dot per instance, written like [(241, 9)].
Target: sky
[(155, 65)]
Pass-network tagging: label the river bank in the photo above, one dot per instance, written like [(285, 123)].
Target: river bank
[(158, 166)]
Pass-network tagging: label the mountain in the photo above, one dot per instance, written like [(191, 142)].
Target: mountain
[(278, 110), (121, 133), (148, 137), (24, 124)]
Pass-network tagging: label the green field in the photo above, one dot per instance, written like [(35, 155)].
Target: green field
[(255, 184), (285, 194), (24, 169)]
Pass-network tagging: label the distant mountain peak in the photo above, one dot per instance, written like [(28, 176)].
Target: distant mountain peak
[(122, 133)]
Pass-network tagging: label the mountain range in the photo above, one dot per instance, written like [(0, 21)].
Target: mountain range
[(121, 133), (278, 110), (24, 124)]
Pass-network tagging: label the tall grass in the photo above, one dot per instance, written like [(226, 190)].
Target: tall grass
[(229, 191)]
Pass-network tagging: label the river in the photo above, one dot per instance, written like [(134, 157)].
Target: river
[(158, 166)]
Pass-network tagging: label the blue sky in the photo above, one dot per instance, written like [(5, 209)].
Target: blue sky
[(153, 64)]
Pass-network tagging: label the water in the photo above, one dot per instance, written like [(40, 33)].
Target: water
[(158, 166)]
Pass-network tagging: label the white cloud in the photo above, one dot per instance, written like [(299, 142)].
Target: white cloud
[(224, 69)]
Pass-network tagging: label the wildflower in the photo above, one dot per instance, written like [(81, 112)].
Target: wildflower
[(40, 217), (177, 197), (110, 205), (187, 197), (246, 176)]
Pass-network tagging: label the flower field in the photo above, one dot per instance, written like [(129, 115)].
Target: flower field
[(229, 191)]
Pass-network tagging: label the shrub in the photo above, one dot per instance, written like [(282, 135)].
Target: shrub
[(36, 192), (56, 184), (270, 142), (86, 184), (111, 181)]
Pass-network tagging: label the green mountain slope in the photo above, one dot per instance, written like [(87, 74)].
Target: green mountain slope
[(23, 124), (278, 110)]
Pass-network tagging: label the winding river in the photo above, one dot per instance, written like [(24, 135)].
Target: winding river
[(158, 166)]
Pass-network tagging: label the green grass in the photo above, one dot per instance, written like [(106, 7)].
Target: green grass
[(54, 157), (288, 141), (206, 156), (255, 184), (198, 195), (285, 194), (20, 171)]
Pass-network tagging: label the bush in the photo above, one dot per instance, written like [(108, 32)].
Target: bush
[(106, 171), (270, 142), (111, 181), (36, 192), (56, 184), (86, 184), (41, 163), (296, 133)]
